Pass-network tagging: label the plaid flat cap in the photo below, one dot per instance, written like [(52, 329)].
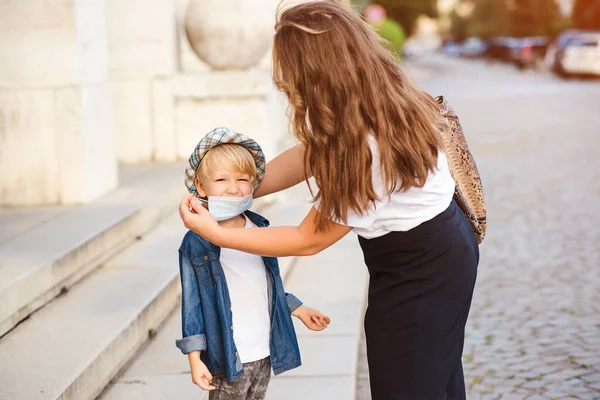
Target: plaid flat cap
[(221, 136)]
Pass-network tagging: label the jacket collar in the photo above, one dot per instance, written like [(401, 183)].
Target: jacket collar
[(256, 219)]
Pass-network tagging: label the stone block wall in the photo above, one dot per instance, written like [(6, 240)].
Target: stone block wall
[(88, 84), (57, 128)]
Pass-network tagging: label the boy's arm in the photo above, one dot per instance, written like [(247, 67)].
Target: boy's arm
[(192, 321), (313, 319), (201, 376)]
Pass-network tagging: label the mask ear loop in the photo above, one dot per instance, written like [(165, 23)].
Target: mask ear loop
[(199, 199)]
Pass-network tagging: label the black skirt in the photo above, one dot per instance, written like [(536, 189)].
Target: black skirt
[(420, 291)]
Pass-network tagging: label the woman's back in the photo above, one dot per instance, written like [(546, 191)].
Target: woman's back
[(403, 210)]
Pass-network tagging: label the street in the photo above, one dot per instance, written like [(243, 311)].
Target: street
[(534, 327)]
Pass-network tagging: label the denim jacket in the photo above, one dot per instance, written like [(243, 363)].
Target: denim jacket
[(206, 309)]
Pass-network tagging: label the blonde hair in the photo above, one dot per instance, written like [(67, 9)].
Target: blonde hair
[(227, 156), (343, 84)]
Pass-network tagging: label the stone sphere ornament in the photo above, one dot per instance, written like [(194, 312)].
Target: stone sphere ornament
[(230, 34)]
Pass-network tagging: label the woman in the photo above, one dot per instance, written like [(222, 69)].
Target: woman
[(369, 137)]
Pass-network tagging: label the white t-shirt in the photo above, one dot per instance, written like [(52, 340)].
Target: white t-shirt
[(247, 282), (402, 211)]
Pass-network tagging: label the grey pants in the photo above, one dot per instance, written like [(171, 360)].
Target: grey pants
[(251, 385)]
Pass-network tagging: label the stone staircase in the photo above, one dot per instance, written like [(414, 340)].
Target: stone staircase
[(103, 278), (115, 277)]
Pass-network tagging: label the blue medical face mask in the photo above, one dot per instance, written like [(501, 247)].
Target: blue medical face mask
[(222, 208)]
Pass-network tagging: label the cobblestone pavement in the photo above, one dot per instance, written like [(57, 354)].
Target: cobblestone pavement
[(534, 328)]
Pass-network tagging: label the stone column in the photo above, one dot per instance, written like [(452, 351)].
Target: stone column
[(230, 87), (142, 62), (57, 130)]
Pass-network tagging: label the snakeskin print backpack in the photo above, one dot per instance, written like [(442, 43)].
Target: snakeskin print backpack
[(469, 191)]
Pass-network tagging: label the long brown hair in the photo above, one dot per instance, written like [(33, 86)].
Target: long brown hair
[(343, 84)]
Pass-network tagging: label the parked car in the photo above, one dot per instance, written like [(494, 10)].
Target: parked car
[(581, 55), (530, 52), (500, 48), (557, 47), (452, 49), (473, 47)]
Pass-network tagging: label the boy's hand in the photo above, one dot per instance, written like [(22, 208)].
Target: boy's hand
[(200, 374), (313, 319)]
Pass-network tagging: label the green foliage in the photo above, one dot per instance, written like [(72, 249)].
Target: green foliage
[(406, 12), (535, 17), (392, 31), (459, 27), (561, 24), (586, 14), (490, 18), (523, 18), (359, 5)]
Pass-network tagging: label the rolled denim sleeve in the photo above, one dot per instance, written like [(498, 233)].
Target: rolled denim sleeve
[(191, 343), (192, 320), (292, 301)]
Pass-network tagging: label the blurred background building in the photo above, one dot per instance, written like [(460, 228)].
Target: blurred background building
[(88, 84)]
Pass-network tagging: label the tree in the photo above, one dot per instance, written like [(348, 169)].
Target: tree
[(490, 18), (586, 14), (406, 12), (392, 31), (517, 18), (535, 17), (459, 26)]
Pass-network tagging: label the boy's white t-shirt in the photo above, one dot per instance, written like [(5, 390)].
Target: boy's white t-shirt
[(247, 283)]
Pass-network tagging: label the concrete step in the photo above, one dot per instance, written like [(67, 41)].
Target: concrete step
[(44, 250), (75, 345), (158, 372)]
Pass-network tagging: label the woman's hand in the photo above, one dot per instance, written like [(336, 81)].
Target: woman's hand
[(313, 319), (197, 219)]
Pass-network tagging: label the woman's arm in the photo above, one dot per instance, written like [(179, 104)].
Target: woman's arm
[(283, 172), (302, 240)]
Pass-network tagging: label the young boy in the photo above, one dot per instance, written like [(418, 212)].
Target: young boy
[(235, 314)]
